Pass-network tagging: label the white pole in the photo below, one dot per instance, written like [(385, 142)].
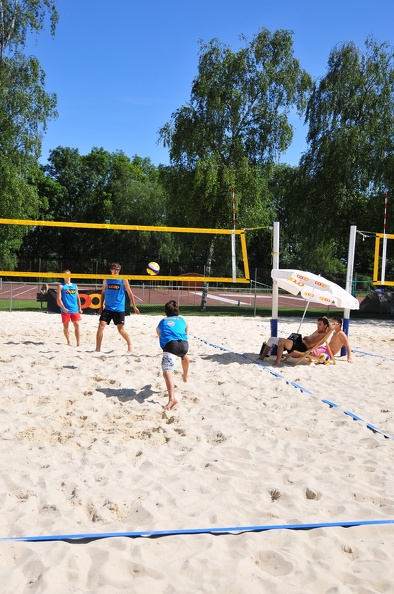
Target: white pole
[(275, 292), (349, 279), (233, 258), (383, 275)]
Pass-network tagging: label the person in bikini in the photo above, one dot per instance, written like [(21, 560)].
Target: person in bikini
[(172, 332), (302, 344), (338, 340)]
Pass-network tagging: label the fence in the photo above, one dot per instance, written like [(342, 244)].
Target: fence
[(255, 300)]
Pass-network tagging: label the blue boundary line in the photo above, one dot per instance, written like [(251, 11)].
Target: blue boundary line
[(228, 530), (372, 355), (219, 531), (271, 371), (302, 389)]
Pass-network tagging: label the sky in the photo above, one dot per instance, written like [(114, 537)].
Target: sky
[(121, 68)]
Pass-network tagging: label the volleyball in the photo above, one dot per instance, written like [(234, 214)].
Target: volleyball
[(153, 268)]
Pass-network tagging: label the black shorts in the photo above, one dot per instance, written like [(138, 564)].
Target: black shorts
[(177, 347), (118, 317), (298, 345)]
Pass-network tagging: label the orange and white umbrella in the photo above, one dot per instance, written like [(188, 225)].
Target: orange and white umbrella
[(313, 288)]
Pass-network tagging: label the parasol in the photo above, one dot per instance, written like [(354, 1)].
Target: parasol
[(313, 288)]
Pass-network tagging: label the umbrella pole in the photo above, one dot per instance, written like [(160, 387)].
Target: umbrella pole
[(303, 316)]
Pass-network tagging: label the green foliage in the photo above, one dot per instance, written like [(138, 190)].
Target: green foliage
[(228, 135), (100, 187), (239, 103), (348, 166), (25, 108), (18, 199), (351, 132), (20, 17)]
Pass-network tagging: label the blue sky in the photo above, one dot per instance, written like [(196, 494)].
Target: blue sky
[(120, 69)]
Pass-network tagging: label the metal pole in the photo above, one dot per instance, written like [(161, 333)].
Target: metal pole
[(384, 253), (255, 291), (275, 292), (349, 280), (233, 258)]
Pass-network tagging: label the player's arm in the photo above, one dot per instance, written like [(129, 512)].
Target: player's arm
[(78, 300), (59, 299), (103, 289), (131, 295)]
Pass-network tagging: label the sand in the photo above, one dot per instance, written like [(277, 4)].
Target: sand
[(87, 449)]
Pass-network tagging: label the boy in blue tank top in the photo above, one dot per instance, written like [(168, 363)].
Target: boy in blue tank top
[(172, 332), (70, 307), (113, 305)]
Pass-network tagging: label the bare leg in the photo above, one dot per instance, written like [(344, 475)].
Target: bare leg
[(283, 343), (66, 333), (99, 335), (123, 333), (77, 333), (172, 401), (185, 367)]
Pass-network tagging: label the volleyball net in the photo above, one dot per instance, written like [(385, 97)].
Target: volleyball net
[(233, 235)]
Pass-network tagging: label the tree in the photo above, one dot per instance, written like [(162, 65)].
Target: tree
[(25, 109), (231, 131), (98, 187), (350, 155)]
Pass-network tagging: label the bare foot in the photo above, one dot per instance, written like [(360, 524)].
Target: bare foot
[(130, 349), (277, 364), (170, 404), (184, 377)]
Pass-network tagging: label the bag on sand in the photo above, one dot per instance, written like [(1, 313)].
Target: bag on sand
[(262, 349), (295, 337)]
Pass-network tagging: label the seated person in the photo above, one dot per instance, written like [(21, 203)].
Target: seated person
[(302, 344), (338, 340)]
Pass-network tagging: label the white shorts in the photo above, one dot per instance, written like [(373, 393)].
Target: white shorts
[(168, 362)]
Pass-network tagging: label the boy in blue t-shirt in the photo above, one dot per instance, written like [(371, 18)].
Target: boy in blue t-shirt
[(70, 307), (113, 305), (172, 333)]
